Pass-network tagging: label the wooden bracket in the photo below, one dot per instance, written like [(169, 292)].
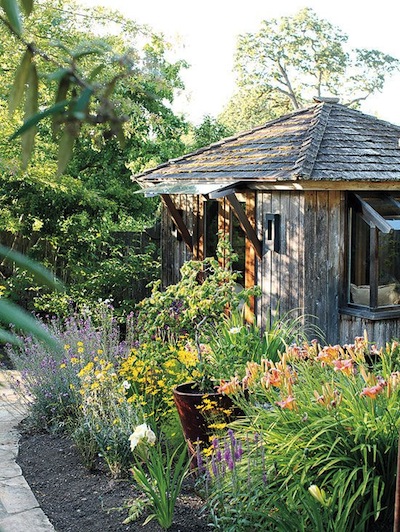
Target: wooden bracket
[(245, 224), (178, 220)]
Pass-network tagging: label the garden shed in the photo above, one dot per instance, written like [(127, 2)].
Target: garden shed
[(311, 203)]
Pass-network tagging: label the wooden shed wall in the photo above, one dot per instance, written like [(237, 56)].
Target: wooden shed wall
[(281, 275), (306, 275), (174, 252), (378, 332)]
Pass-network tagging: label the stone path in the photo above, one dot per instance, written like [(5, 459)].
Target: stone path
[(19, 509)]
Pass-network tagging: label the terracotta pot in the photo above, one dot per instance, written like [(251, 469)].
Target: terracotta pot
[(190, 401)]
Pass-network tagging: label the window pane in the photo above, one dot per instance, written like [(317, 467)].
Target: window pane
[(385, 205), (389, 269), (388, 253), (238, 241)]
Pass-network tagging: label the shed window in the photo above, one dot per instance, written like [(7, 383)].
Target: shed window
[(374, 254)]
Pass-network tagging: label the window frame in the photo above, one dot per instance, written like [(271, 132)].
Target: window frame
[(360, 202)]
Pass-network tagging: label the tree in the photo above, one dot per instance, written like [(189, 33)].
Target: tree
[(249, 108), (293, 59), (74, 215), (81, 76), (209, 131)]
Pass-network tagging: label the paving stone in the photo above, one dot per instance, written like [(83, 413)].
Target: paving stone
[(16, 495), (19, 509), (9, 470), (32, 521)]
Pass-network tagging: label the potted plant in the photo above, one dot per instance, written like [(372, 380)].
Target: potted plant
[(192, 309)]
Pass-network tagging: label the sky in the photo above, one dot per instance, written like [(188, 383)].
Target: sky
[(205, 36)]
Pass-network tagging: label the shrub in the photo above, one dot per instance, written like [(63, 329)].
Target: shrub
[(50, 377)]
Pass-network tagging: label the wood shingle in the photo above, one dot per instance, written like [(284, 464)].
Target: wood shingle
[(324, 142)]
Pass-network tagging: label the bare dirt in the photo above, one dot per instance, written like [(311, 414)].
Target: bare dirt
[(75, 499)]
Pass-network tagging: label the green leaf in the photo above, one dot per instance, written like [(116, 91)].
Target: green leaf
[(21, 78), (65, 148), (11, 314), (79, 108), (27, 6), (8, 338), (94, 73), (13, 15), (41, 274), (57, 75), (84, 53), (54, 109), (61, 96), (31, 108)]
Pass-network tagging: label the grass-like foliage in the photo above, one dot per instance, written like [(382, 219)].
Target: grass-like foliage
[(328, 427)]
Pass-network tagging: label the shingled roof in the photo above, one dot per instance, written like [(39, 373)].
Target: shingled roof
[(324, 142)]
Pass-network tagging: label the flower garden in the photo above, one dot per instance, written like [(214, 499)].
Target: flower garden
[(314, 446)]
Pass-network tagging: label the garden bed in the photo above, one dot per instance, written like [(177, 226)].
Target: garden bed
[(75, 499)]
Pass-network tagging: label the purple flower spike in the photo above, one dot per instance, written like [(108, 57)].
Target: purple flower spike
[(227, 455), (238, 451), (214, 467)]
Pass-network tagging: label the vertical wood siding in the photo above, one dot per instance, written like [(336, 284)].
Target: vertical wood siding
[(305, 276), (281, 274), (378, 332), (174, 252)]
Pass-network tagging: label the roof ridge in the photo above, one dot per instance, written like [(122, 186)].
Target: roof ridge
[(309, 150)]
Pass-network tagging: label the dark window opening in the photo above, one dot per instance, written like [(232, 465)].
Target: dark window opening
[(211, 228), (238, 241), (236, 236)]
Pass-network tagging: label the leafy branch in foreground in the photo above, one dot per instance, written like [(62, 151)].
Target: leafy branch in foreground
[(86, 77), (11, 314)]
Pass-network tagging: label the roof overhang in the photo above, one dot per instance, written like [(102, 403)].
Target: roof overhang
[(212, 190)]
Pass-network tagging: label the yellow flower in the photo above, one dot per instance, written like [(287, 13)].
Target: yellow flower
[(63, 366), (67, 346), (79, 344), (217, 426), (100, 351), (74, 360), (80, 349)]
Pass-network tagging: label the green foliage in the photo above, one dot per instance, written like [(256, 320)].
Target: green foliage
[(204, 293), (12, 315), (86, 73), (292, 59), (159, 474), (325, 428), (251, 107), (208, 132), (73, 216), (233, 342)]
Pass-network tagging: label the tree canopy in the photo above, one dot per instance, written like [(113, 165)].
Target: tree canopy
[(290, 60), (71, 203), (69, 64)]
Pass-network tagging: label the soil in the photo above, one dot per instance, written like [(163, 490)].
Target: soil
[(74, 498)]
